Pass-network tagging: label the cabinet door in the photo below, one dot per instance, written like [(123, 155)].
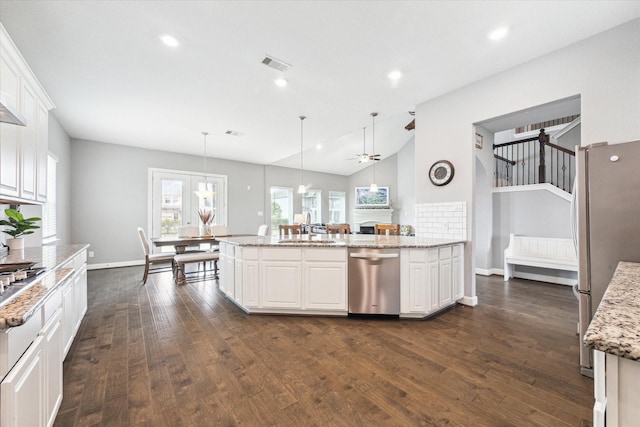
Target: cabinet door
[(418, 287), (280, 284), (22, 390), (237, 281), (52, 359), (68, 316), (80, 297), (433, 272), (250, 283), (222, 272), (42, 152), (446, 283), (29, 144), (325, 285), (229, 270), (9, 134), (458, 272)]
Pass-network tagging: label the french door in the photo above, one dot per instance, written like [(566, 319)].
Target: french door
[(174, 203)]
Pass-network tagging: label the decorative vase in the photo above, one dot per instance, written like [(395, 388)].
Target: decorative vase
[(15, 244), (205, 229)]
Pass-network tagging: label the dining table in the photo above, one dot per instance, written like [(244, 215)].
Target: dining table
[(182, 243)]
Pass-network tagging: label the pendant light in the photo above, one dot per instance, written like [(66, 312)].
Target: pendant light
[(301, 188), (373, 188), (206, 193)]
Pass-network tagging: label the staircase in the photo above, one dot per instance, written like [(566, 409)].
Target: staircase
[(535, 160)]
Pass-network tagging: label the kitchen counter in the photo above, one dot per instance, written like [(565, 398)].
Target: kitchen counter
[(615, 328), (348, 241), (19, 309)]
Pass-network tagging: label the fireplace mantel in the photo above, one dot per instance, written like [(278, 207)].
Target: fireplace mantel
[(371, 217)]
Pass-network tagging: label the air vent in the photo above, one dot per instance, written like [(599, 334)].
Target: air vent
[(272, 62), (234, 133)]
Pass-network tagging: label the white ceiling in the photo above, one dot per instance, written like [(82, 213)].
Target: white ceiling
[(112, 80)]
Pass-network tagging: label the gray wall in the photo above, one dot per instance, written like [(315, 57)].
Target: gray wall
[(406, 171), (60, 147), (604, 70), (483, 200), (109, 186)]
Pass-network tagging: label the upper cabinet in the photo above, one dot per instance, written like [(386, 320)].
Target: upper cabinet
[(23, 149)]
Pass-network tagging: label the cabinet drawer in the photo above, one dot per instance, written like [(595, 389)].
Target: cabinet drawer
[(288, 254), (325, 254), (445, 253), (248, 254), (52, 304), (457, 250), (15, 341), (417, 255), (79, 260)]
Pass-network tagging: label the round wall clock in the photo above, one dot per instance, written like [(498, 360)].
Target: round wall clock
[(441, 172)]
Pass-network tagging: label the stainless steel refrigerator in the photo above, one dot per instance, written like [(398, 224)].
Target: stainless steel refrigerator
[(607, 209)]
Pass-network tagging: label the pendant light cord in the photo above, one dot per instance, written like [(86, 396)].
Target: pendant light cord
[(204, 159), (373, 138), (301, 149)]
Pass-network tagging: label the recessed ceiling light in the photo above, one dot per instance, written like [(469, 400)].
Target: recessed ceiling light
[(498, 33), (281, 82), (319, 147), (394, 75), (169, 40)]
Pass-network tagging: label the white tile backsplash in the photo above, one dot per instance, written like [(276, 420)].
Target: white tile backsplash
[(445, 220)]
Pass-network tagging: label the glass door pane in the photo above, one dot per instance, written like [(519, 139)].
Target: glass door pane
[(337, 207), (312, 204), (281, 207)]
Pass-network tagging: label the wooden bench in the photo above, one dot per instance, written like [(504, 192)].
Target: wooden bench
[(543, 252)]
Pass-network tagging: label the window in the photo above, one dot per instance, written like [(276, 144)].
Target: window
[(49, 215), (312, 203), (174, 202), (281, 207), (337, 207)]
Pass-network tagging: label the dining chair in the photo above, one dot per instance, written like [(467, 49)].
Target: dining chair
[(393, 229), (263, 230), (151, 258), (338, 228), (188, 231), (285, 230), (219, 230)]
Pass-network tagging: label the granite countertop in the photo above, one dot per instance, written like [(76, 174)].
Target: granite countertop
[(615, 328), (22, 306), (337, 241), (19, 310)]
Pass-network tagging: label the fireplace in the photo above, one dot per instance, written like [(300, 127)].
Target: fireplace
[(368, 218), (366, 229)]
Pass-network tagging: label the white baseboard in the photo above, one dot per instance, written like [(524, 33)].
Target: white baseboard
[(488, 272), (470, 301), (530, 276), (114, 265)]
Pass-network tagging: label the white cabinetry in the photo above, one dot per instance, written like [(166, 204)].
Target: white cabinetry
[(324, 279), (22, 401), (74, 299), (31, 392), (249, 280), (23, 149), (280, 278), (616, 390), (431, 279), (68, 317)]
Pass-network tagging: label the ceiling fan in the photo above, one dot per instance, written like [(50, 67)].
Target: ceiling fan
[(364, 157)]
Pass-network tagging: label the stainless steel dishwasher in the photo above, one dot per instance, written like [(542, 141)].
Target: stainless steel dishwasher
[(374, 281)]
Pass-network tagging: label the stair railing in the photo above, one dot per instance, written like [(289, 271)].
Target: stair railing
[(533, 160)]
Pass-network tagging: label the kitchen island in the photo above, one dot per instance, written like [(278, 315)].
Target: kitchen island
[(308, 275), (614, 334)]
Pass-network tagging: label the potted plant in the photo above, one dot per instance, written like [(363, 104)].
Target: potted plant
[(17, 226)]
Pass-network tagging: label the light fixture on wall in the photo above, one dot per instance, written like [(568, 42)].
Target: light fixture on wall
[(373, 188), (206, 192), (301, 188)]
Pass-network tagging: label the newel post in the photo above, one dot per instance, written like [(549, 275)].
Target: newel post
[(542, 139)]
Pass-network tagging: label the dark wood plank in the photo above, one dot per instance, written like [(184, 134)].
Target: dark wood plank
[(163, 355)]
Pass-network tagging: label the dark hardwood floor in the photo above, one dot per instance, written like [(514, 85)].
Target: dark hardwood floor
[(162, 355)]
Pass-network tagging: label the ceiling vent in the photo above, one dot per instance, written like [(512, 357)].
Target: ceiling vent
[(234, 133), (272, 62)]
